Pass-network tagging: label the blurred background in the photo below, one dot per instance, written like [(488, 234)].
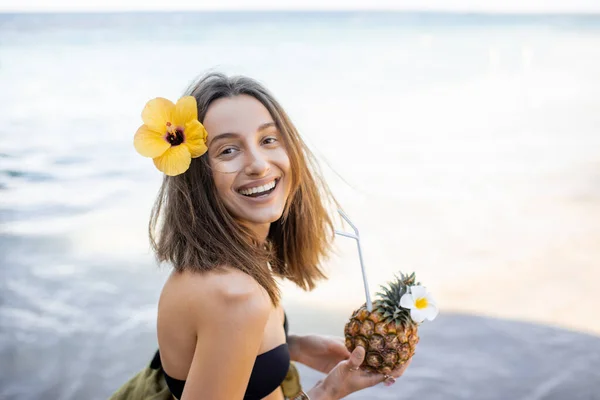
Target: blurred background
[(461, 137)]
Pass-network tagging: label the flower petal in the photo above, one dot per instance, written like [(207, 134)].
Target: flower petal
[(175, 161), (149, 143), (407, 301), (418, 292), (185, 111), (157, 113), (431, 312), (417, 315), (195, 138), (430, 299)]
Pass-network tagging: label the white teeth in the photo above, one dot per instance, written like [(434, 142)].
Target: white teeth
[(258, 189)]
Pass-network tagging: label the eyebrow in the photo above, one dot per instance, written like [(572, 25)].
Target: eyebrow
[(228, 135)]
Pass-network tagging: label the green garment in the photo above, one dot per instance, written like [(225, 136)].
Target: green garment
[(150, 384)]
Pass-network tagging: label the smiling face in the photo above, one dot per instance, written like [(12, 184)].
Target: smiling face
[(250, 165)]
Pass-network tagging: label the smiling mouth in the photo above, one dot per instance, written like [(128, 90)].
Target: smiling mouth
[(260, 191)]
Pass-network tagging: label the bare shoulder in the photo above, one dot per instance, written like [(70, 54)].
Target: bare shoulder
[(203, 317), (224, 293)]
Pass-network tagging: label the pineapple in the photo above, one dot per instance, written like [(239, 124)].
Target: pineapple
[(388, 333)]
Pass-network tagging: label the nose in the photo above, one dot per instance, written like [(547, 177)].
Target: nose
[(257, 163)]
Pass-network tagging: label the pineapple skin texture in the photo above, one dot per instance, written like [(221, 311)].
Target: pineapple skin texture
[(388, 345)]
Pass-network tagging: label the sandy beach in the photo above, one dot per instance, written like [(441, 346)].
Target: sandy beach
[(467, 357)]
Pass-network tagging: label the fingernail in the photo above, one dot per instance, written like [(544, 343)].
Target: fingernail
[(389, 383)]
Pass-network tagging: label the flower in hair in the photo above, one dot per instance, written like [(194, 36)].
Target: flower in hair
[(171, 134)]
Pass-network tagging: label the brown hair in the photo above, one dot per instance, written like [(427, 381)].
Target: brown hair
[(196, 232)]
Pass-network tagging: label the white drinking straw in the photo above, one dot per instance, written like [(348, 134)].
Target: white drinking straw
[(356, 237)]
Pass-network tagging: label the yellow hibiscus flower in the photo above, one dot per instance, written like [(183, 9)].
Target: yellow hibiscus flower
[(171, 134)]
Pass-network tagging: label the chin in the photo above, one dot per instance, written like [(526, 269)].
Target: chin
[(262, 217)]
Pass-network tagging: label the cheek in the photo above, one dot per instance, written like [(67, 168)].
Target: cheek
[(282, 160), (223, 184)]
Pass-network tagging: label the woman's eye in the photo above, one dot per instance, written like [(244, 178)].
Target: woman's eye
[(270, 140), (227, 151)]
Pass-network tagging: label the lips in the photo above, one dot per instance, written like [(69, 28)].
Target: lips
[(262, 186)]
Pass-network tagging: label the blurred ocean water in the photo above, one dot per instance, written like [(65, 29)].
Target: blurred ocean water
[(465, 147)]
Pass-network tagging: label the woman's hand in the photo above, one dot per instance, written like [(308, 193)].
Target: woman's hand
[(347, 378), (318, 352)]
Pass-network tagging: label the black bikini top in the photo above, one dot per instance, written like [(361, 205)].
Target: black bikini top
[(270, 369)]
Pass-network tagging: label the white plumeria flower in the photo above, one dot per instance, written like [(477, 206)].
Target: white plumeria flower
[(420, 303)]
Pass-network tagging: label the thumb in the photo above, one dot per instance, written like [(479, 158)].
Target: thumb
[(356, 358)]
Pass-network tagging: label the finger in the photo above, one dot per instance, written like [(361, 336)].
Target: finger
[(343, 354), (372, 379), (389, 380), (339, 347), (356, 358), (398, 372)]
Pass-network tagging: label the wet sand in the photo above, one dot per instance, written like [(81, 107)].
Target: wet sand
[(468, 357), (75, 330)]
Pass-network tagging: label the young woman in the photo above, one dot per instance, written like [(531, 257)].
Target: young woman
[(241, 204)]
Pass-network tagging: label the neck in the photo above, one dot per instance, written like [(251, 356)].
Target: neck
[(261, 231)]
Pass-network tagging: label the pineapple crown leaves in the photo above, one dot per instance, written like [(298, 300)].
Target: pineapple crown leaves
[(389, 299)]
